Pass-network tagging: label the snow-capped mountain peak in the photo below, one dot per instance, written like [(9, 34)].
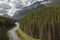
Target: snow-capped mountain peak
[(9, 7)]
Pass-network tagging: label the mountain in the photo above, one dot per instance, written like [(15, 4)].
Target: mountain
[(14, 5), (19, 8), (36, 5), (21, 13), (27, 9), (5, 15), (54, 1)]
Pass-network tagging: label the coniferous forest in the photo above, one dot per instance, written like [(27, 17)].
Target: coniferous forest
[(42, 23)]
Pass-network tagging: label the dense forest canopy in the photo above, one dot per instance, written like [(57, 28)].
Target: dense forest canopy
[(42, 23)]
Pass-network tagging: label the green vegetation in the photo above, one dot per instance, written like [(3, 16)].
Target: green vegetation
[(5, 25), (24, 36), (42, 23)]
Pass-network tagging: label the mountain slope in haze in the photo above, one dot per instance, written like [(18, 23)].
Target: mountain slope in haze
[(25, 10), (10, 10)]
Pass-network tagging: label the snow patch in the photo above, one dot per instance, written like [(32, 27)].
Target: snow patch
[(15, 5)]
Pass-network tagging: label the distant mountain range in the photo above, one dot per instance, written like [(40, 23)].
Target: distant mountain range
[(25, 6), (9, 7), (19, 14)]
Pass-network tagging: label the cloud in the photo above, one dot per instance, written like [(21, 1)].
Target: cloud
[(13, 4)]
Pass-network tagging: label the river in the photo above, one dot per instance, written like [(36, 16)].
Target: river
[(12, 33)]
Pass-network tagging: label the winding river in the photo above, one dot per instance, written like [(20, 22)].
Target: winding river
[(12, 33)]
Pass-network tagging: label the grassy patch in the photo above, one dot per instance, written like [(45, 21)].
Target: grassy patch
[(24, 36)]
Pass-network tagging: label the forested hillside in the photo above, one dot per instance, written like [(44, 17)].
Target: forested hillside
[(42, 23), (5, 25)]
